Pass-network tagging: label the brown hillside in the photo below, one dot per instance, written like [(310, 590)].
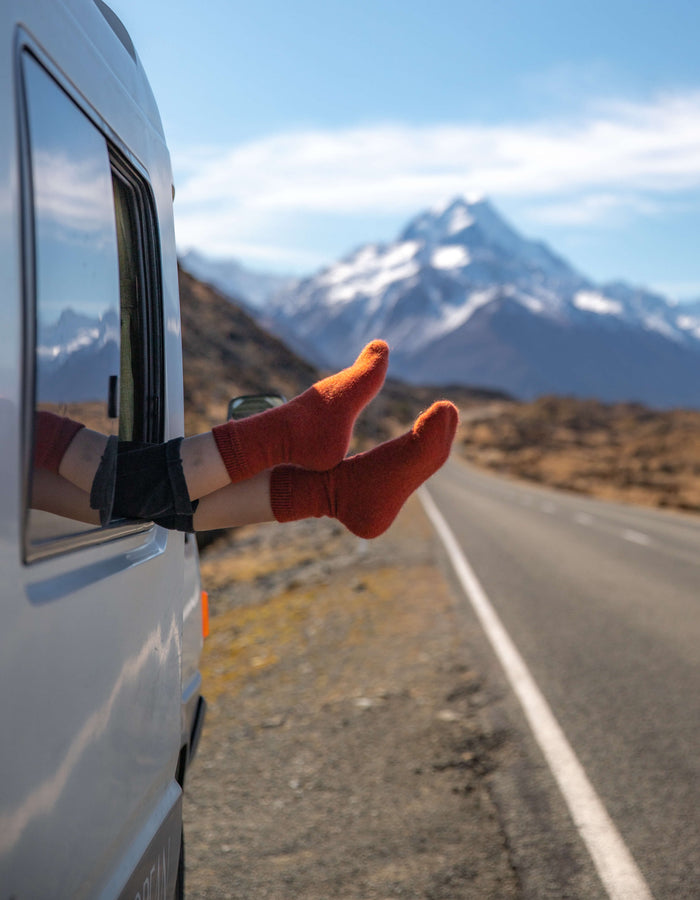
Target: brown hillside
[(226, 354)]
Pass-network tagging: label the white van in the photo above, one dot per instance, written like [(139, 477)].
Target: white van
[(100, 627)]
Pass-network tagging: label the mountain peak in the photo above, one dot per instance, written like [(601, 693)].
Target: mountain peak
[(457, 206), (463, 220), (475, 224)]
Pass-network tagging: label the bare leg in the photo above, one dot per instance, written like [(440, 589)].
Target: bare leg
[(54, 494), (82, 458), (202, 465), (244, 503)]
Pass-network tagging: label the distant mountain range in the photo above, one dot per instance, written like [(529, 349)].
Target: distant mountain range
[(76, 356), (250, 289), (462, 298)]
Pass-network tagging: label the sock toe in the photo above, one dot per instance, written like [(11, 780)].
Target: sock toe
[(438, 423), (377, 348), (382, 479)]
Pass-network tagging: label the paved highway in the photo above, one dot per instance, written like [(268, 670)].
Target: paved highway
[(603, 603)]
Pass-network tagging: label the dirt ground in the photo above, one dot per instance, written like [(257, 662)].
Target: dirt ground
[(345, 754)]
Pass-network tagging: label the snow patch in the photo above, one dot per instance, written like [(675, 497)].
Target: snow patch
[(592, 301), (447, 318), (532, 303), (371, 272), (658, 323), (86, 337), (461, 218), (457, 317), (453, 256), (360, 264), (690, 324), (401, 253), (368, 263)]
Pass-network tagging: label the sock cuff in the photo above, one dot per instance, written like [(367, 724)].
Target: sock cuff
[(281, 493), (53, 436), (230, 451)]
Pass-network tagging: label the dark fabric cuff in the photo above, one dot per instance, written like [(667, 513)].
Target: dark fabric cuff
[(178, 522), (104, 482), (147, 482), (179, 517)]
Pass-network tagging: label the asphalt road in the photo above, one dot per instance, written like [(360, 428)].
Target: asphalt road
[(603, 602)]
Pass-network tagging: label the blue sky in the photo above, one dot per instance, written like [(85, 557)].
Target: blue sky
[(300, 131)]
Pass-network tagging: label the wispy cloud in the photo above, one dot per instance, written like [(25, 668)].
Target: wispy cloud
[(70, 194), (584, 208), (618, 155)]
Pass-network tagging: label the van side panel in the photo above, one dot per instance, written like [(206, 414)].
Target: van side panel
[(90, 640)]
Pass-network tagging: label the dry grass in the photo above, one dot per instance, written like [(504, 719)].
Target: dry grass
[(618, 451)]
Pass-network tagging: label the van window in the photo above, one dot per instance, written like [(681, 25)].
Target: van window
[(95, 348), (141, 365)]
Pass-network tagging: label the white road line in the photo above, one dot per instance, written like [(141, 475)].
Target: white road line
[(617, 869), (636, 537)]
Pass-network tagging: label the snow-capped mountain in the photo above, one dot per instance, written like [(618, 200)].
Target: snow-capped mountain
[(77, 354), (252, 289), (462, 298)]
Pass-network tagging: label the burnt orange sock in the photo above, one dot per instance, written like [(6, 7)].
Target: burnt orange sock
[(313, 430), (366, 492)]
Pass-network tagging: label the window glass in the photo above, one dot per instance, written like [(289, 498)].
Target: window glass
[(89, 323), (131, 326), (76, 261)]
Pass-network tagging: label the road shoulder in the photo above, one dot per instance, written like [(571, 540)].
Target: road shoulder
[(358, 744)]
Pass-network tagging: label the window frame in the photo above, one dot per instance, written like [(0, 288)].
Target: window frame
[(130, 172), (151, 296)]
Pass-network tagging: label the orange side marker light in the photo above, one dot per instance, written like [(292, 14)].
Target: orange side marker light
[(205, 614)]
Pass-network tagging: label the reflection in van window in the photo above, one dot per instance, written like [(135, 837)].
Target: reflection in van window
[(76, 260), (97, 348), (76, 275)]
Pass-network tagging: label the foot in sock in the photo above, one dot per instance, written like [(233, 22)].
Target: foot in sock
[(313, 430), (366, 492)]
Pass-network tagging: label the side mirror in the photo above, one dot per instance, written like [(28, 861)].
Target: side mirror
[(250, 404)]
